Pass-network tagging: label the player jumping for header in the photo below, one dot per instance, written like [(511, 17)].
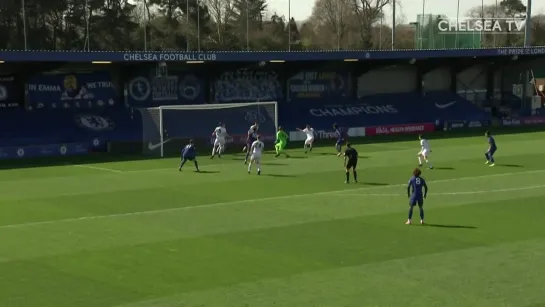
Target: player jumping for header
[(350, 162), (341, 139), (424, 152), (257, 151), (281, 142), (489, 154), (189, 154), (309, 131), (219, 144), (417, 190), (250, 139)]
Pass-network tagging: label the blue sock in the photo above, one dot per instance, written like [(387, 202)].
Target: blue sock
[(487, 156), (247, 154), (411, 212), (183, 162), (338, 147), (196, 164), (491, 158), (421, 213)]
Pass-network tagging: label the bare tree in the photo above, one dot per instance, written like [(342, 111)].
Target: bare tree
[(333, 16), (222, 12), (368, 12)]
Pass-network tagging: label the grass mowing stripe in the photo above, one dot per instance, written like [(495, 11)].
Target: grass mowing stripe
[(249, 201)]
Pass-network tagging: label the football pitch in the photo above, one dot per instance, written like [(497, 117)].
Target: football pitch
[(142, 234)]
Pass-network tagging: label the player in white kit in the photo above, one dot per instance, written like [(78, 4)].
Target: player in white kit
[(309, 131), (424, 153), (257, 151), (219, 144)]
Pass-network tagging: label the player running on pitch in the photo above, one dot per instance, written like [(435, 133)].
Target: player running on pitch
[(281, 142), (250, 139), (309, 131), (257, 151), (341, 139), (219, 144), (350, 162), (417, 190), (189, 154), (489, 154), (424, 152)]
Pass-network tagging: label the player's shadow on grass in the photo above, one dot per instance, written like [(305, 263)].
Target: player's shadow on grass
[(274, 163), (450, 226), (375, 183), (280, 175), (445, 168), (510, 165), (328, 154), (207, 172)]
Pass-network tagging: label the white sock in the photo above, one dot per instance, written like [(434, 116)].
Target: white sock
[(258, 167), (250, 167), (428, 162), (214, 151), (419, 160)]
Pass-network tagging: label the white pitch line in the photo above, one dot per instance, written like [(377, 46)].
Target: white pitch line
[(98, 168), (452, 193), (120, 215)]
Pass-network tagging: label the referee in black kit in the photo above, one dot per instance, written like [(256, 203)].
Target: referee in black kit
[(350, 162)]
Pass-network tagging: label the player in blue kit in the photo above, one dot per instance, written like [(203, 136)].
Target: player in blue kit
[(341, 139), (189, 154), (489, 154), (417, 190), (250, 139)]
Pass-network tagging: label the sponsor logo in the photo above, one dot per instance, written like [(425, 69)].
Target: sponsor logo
[(474, 124), (96, 142), (152, 146), (20, 152), (457, 125), (190, 87), (254, 116), (511, 122), (400, 129), (353, 110), (139, 89), (63, 150), (445, 105), (94, 122), (325, 134), (3, 93)]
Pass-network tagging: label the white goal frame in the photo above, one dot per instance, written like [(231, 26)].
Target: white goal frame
[(216, 106)]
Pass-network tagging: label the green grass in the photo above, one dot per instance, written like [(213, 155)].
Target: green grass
[(141, 234)]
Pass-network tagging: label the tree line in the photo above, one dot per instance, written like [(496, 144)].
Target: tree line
[(209, 25)]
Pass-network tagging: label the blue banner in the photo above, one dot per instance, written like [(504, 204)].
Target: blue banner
[(313, 85), (388, 109), (71, 91), (252, 56), (150, 91), (50, 150), (247, 86), (8, 97)]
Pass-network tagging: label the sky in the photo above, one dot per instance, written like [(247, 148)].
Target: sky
[(301, 9)]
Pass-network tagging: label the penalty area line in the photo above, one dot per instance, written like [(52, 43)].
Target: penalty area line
[(104, 169), (451, 193)]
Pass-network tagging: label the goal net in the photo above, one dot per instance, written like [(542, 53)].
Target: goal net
[(166, 129)]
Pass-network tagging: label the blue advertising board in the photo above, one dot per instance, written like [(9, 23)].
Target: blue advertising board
[(71, 91), (245, 85), (174, 89), (8, 92), (316, 85), (50, 150), (237, 56)]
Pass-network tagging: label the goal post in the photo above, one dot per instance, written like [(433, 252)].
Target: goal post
[(165, 129)]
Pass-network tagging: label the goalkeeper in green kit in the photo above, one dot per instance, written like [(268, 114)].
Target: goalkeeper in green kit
[(281, 142)]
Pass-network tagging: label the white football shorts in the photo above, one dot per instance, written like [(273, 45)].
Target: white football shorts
[(309, 141), (255, 157), (219, 142)]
